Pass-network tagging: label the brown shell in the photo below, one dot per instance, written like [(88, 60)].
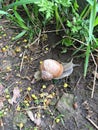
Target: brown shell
[(51, 67)]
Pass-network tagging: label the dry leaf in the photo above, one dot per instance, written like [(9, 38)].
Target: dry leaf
[(37, 75), (33, 81), (1, 105), (95, 73), (1, 89), (2, 99), (50, 87), (16, 94), (36, 120), (75, 105)]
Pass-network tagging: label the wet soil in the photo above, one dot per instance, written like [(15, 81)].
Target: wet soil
[(18, 71)]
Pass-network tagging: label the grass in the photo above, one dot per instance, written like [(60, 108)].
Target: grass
[(38, 13), (91, 38)]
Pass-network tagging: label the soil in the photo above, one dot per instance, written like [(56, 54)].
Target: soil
[(18, 65)]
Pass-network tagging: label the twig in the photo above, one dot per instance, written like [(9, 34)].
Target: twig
[(75, 39), (78, 81), (2, 124), (92, 122), (37, 39), (94, 81), (38, 107), (50, 31), (22, 61), (62, 25)]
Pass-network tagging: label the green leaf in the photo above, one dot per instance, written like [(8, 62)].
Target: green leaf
[(21, 2), (20, 35), (18, 17), (92, 20), (3, 12), (90, 2), (76, 6), (67, 42), (97, 7), (96, 21)]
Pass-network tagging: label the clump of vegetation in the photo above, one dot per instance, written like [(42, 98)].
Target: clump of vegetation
[(33, 15)]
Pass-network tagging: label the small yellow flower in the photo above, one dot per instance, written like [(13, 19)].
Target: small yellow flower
[(18, 49), (25, 40), (9, 100), (26, 57), (44, 86), (27, 104), (8, 68), (7, 96), (0, 37), (43, 95), (34, 96), (7, 47), (45, 100), (38, 115), (29, 88), (4, 34), (4, 49), (4, 61), (18, 42), (57, 120), (26, 46), (5, 113), (25, 101), (50, 96), (13, 38), (6, 91), (65, 85), (18, 108), (20, 82), (21, 90), (46, 48), (53, 94), (41, 62), (6, 109), (21, 125)]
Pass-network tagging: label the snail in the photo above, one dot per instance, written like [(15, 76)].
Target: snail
[(52, 69)]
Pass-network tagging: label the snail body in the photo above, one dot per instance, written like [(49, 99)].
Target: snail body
[(51, 69)]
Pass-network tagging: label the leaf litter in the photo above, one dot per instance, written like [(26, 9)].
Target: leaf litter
[(16, 95)]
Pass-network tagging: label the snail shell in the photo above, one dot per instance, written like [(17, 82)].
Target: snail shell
[(51, 69)]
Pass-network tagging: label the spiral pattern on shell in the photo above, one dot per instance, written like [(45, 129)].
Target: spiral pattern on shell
[(50, 69)]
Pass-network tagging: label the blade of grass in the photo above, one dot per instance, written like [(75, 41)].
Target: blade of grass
[(21, 2), (85, 12), (77, 50), (96, 21), (92, 19), (18, 17), (93, 4), (28, 13), (20, 35), (86, 60)]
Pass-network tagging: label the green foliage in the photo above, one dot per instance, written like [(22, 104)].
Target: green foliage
[(46, 7), (1, 113), (65, 3), (65, 14)]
